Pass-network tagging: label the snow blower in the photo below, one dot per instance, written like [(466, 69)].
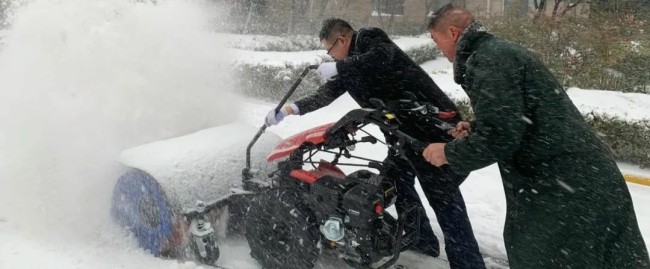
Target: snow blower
[(291, 211)]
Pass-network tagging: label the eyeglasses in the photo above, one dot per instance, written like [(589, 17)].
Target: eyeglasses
[(330, 49)]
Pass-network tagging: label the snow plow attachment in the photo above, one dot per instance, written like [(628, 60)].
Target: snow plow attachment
[(179, 190), (187, 191)]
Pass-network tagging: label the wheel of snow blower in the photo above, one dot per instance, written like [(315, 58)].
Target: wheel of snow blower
[(210, 247), (140, 205), (281, 231)]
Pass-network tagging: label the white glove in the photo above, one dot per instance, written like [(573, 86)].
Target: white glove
[(327, 70), (274, 118)]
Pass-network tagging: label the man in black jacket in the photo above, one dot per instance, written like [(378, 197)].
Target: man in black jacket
[(369, 65)]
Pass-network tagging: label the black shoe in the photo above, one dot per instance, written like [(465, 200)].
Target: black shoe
[(427, 249)]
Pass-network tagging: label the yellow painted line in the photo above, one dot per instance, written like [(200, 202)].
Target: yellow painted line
[(637, 179)]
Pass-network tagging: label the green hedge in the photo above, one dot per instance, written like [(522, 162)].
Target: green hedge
[(607, 59), (629, 141), (606, 52), (272, 82), (423, 53)]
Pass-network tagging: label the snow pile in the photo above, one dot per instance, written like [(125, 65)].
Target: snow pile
[(272, 43), (411, 42), (629, 107), (278, 59), (204, 165)]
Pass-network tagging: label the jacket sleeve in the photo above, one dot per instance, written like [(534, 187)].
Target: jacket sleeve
[(324, 96), (499, 110), (377, 51)]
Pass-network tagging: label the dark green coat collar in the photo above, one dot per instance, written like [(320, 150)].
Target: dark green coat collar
[(473, 35)]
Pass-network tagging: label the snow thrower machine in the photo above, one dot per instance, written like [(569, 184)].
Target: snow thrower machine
[(291, 210)]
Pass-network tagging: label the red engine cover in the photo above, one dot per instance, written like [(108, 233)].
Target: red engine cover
[(286, 147), (324, 169)]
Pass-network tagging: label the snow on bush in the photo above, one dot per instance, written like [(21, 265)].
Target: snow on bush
[(273, 43), (269, 74)]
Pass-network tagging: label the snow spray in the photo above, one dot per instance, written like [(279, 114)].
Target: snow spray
[(82, 80)]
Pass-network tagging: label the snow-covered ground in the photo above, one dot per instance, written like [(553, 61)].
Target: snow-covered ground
[(483, 193), (82, 80)]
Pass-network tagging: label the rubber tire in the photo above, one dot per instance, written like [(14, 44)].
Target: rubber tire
[(140, 205), (281, 231)]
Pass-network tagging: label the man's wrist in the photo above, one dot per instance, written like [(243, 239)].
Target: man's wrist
[(447, 149), (293, 109)]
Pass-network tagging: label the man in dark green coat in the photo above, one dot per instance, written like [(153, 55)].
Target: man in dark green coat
[(568, 205)]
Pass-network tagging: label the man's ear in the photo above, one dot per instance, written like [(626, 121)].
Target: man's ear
[(455, 32), (344, 40)]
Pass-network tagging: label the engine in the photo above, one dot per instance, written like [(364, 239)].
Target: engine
[(352, 217)]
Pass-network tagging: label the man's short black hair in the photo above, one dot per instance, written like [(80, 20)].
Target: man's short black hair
[(334, 25), (450, 15), (436, 17)]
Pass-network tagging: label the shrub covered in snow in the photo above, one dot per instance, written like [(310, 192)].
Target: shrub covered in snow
[(275, 43), (271, 81), (583, 52), (421, 48), (422, 53)]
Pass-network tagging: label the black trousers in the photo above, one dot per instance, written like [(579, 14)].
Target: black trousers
[(441, 189)]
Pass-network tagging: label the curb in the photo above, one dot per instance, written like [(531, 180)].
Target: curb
[(637, 179)]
